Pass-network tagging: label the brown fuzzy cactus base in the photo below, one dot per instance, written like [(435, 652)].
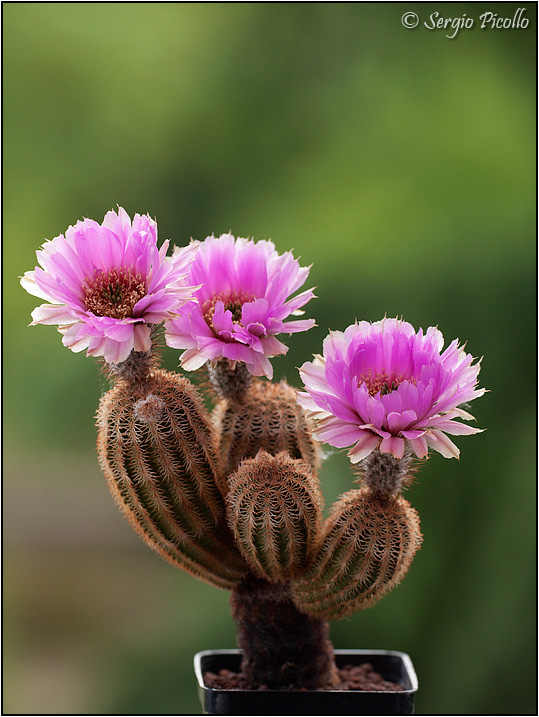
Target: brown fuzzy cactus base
[(362, 678), (281, 646)]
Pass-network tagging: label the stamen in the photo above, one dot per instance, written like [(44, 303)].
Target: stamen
[(113, 293), (382, 383), (232, 302)]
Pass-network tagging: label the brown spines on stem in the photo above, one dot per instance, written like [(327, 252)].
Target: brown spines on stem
[(368, 545), (274, 507), (265, 417), (157, 449)]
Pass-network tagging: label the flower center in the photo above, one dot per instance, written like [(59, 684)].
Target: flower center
[(381, 382), (113, 293), (232, 302)]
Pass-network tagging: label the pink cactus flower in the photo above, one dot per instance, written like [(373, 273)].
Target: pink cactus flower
[(383, 386), (242, 304), (107, 284)]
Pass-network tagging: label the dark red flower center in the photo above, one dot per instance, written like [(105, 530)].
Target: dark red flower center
[(113, 293)]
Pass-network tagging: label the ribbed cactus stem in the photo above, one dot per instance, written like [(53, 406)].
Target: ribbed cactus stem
[(368, 546), (157, 449), (384, 474), (269, 418), (281, 646), (274, 508)]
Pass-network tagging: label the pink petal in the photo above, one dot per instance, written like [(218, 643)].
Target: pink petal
[(236, 352), (118, 331), (142, 338), (337, 433), (260, 366), (399, 421), (457, 429), (441, 443), (292, 327), (49, 314), (72, 338), (274, 347), (117, 352), (394, 445), (28, 282), (305, 400), (366, 444), (419, 446), (193, 359)]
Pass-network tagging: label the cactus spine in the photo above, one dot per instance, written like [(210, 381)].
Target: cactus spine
[(265, 416), (368, 546), (157, 449), (274, 507)]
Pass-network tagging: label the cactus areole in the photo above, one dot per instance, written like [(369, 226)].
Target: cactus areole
[(231, 493)]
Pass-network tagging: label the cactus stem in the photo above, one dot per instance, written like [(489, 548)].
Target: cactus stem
[(282, 647), (229, 382), (386, 475), (268, 417), (134, 369), (139, 364), (369, 543), (157, 450)]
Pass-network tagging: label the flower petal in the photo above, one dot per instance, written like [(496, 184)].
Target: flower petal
[(49, 314), (366, 444)]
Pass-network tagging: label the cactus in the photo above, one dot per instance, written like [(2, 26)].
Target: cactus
[(260, 415), (232, 496), (157, 449), (368, 545), (274, 507)]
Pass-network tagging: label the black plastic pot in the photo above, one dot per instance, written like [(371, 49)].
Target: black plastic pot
[(393, 666)]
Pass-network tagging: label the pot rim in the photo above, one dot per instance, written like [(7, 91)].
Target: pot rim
[(403, 656)]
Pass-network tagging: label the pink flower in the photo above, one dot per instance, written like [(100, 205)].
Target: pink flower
[(242, 304), (107, 284), (384, 386)]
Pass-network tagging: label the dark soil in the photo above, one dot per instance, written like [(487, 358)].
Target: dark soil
[(352, 677)]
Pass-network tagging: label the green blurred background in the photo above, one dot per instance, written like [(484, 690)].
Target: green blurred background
[(398, 162)]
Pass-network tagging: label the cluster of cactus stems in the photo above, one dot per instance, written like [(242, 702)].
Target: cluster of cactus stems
[(232, 496), (222, 480)]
